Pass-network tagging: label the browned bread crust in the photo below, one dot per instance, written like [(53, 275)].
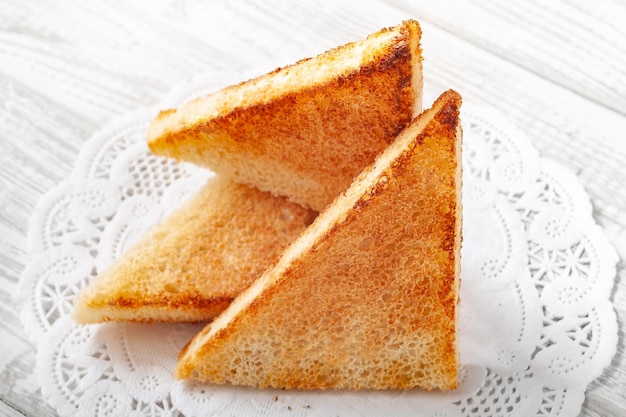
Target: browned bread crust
[(367, 297), (192, 265), (306, 130)]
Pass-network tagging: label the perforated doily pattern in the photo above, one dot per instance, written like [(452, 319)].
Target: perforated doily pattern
[(536, 322)]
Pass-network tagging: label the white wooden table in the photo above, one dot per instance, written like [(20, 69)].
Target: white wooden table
[(558, 69)]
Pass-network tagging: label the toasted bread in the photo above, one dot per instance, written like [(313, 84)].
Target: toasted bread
[(367, 296), (193, 264), (306, 130)]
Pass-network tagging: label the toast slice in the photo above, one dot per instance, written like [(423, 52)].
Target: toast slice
[(306, 130), (194, 263), (367, 296)]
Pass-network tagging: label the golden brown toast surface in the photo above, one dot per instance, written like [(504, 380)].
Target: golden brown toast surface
[(192, 265), (306, 130), (367, 297)]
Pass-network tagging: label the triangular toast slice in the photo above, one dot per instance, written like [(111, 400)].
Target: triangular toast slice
[(367, 296), (194, 263), (306, 130)]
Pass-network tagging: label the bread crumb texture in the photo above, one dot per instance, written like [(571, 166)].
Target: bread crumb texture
[(193, 264), (372, 301), (306, 130)]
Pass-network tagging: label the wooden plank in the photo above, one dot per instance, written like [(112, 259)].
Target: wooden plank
[(41, 156), (101, 61), (6, 410), (581, 46), (39, 142), (21, 395), (19, 390)]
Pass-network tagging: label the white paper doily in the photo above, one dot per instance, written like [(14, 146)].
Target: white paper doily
[(536, 321)]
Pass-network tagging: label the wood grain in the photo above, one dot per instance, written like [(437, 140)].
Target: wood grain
[(581, 47), (556, 69)]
